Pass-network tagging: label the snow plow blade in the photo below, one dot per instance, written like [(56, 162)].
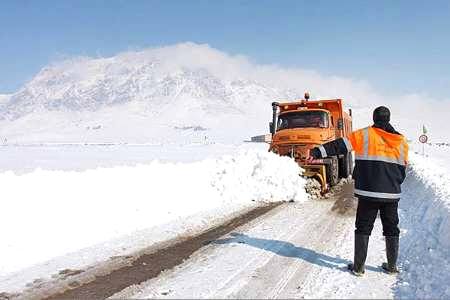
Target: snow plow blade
[(317, 172)]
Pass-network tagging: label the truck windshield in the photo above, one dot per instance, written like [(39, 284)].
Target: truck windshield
[(302, 119)]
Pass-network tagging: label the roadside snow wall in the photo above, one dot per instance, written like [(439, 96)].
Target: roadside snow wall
[(425, 238), (47, 214)]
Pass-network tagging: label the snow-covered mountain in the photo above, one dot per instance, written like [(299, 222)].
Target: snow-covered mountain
[(155, 87), (165, 95), (93, 84)]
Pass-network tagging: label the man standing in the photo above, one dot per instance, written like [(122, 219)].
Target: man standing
[(381, 155)]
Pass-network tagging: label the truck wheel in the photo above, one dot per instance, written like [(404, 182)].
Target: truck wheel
[(345, 166), (333, 171)]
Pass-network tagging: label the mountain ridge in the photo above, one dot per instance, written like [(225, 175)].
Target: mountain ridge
[(124, 95), (91, 84), (145, 95)]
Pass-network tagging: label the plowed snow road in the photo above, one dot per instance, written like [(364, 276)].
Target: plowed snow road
[(296, 250)]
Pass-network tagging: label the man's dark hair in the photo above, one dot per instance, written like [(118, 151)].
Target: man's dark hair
[(381, 115), (381, 118)]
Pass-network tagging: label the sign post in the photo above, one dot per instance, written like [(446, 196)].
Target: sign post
[(423, 139)]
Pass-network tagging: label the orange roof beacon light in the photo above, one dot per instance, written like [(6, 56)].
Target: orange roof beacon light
[(306, 96)]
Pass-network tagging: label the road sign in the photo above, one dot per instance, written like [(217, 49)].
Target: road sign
[(423, 138)]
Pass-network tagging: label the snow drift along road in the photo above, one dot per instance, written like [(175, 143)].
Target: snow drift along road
[(425, 225), (264, 260), (133, 199), (49, 214)]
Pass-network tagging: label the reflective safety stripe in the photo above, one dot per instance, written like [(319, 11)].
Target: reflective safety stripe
[(323, 152), (377, 195), (398, 161), (402, 152), (366, 156), (348, 145), (366, 141)]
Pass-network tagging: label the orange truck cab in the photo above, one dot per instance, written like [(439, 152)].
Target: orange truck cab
[(297, 127)]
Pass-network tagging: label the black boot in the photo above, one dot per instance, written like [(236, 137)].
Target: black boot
[(391, 255), (361, 243)]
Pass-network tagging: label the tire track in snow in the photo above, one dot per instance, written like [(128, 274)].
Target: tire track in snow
[(300, 269), (149, 265), (235, 266), (260, 260), (207, 256)]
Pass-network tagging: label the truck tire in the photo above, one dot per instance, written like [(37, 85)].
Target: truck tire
[(333, 171), (345, 165)]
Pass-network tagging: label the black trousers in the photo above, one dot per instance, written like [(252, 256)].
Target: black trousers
[(367, 213)]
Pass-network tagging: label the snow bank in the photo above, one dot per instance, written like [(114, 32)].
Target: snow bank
[(425, 223), (80, 157), (46, 214)]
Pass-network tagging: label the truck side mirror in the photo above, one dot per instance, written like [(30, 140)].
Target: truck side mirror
[(340, 124), (271, 128)]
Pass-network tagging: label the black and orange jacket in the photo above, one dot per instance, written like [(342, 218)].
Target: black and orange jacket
[(380, 161)]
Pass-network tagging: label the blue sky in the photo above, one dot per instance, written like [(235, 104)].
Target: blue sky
[(397, 46)]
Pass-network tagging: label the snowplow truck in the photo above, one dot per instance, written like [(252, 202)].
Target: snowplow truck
[(297, 127)]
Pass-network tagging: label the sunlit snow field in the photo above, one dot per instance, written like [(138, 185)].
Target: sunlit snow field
[(88, 203), (79, 157)]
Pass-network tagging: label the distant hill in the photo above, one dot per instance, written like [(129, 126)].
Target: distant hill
[(185, 93), (122, 97)]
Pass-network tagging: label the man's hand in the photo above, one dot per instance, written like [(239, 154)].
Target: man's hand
[(309, 159)]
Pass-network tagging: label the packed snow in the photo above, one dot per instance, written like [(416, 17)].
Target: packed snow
[(80, 157), (425, 224), (72, 210), (207, 191), (263, 260)]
